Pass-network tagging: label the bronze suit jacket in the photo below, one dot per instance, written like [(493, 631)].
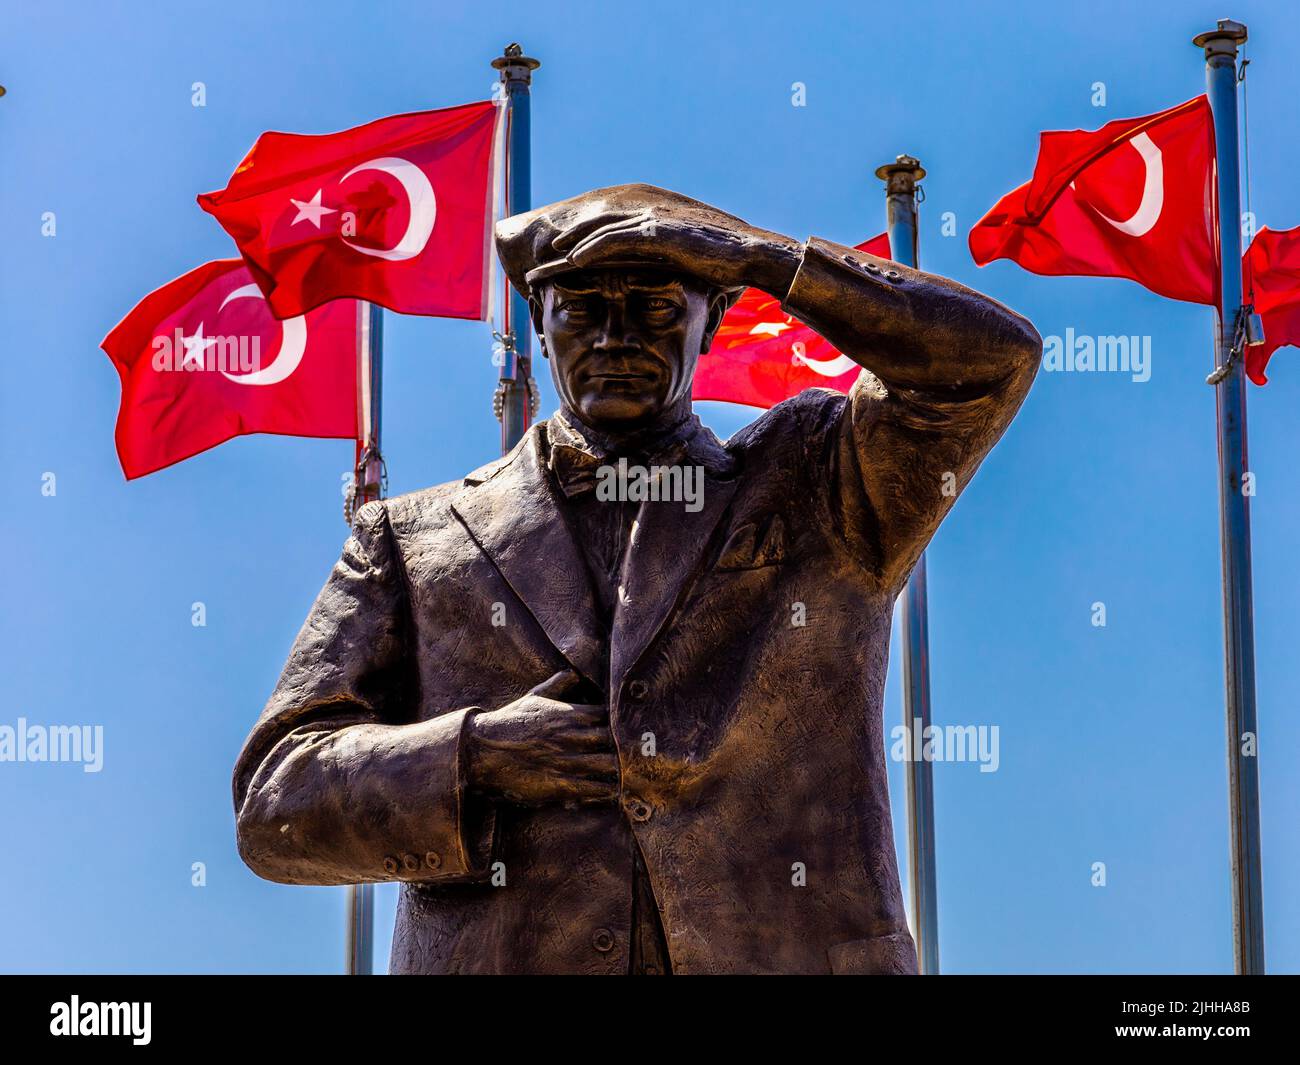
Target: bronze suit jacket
[(748, 653)]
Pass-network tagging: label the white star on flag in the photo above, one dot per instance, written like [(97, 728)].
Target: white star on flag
[(774, 329), (195, 347), (310, 210)]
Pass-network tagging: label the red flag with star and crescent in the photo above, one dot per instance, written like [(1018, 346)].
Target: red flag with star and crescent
[(761, 356), (1133, 199), (202, 361), (397, 212)]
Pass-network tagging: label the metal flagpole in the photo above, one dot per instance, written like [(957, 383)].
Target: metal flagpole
[(368, 485), (901, 179), (516, 397), (1220, 45)]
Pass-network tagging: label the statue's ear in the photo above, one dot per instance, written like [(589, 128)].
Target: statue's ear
[(535, 310), (717, 311)]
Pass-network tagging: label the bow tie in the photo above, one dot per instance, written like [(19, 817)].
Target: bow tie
[(575, 469), (576, 459)]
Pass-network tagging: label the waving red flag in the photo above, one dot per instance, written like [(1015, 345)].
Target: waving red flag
[(202, 361), (1271, 266), (1133, 199), (396, 212), (761, 355)]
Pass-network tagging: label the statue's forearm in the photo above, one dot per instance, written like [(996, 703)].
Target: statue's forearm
[(954, 366), (363, 802), (335, 785), (911, 329)]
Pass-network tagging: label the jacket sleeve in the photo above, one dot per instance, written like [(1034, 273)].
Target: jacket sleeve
[(946, 370), (338, 783)]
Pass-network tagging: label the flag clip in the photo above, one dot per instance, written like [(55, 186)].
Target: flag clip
[(505, 385), (361, 491), (1248, 330)]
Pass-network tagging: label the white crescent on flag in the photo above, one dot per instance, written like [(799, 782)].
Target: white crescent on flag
[(293, 342), (836, 367), (1147, 214), (419, 194)]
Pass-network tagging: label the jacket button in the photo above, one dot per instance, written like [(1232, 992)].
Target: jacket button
[(390, 865), (638, 809), (410, 862), (433, 860), (638, 689), (603, 940)]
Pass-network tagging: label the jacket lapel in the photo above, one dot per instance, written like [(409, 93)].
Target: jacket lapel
[(516, 518)]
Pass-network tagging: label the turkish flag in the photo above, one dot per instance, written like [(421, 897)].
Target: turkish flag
[(1133, 199), (202, 360), (761, 356), (397, 212), (1271, 266)]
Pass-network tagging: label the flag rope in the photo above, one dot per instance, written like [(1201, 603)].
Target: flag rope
[(1245, 162)]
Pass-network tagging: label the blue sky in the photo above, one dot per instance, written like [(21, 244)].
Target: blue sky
[(1112, 739)]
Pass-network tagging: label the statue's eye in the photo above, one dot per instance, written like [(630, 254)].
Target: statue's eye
[(659, 304), (578, 305)]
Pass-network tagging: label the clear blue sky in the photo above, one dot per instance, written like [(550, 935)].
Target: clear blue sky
[(1112, 739)]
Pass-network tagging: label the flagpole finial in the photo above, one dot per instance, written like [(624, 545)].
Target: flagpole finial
[(901, 175), (514, 65), (1224, 39)]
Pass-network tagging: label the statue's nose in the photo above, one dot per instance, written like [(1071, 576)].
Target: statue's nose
[(613, 329)]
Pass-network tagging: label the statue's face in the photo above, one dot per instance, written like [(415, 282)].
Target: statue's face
[(623, 344)]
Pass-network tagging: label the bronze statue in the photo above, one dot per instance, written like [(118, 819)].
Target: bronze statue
[(623, 735)]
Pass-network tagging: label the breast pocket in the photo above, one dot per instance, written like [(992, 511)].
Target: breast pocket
[(753, 544)]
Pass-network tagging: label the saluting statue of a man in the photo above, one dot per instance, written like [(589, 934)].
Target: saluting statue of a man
[(596, 735)]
